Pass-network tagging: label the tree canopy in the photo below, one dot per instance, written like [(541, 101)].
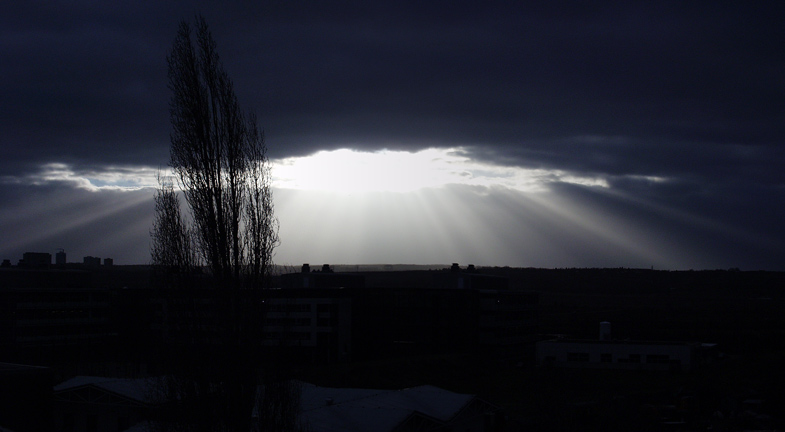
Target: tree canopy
[(219, 159)]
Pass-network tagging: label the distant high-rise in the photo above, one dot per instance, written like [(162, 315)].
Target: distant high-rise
[(108, 262), (60, 257)]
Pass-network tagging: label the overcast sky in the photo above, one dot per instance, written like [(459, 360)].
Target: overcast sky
[(576, 134)]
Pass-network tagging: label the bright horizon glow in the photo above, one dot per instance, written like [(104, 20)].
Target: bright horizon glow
[(338, 171), (351, 171), (352, 207)]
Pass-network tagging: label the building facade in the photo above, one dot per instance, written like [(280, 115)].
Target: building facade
[(619, 354)]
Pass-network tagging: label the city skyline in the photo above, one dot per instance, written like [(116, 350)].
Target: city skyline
[(618, 134)]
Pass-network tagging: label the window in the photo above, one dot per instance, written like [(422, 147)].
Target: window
[(606, 357), (658, 358), (326, 308), (578, 357), (297, 336)]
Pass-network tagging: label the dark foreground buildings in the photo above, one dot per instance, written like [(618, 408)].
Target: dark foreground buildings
[(76, 316), (109, 321), (326, 317)]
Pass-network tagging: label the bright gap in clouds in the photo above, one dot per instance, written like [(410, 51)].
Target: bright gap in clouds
[(350, 171), (440, 206), (428, 207), (338, 171)]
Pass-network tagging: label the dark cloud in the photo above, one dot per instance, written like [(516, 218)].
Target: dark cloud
[(690, 92), (402, 73)]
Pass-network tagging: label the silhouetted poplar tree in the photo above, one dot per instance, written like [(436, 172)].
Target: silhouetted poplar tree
[(219, 159)]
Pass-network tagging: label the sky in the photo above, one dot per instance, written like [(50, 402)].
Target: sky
[(528, 134)]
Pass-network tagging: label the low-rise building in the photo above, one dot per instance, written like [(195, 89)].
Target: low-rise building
[(619, 354), (607, 353), (89, 403)]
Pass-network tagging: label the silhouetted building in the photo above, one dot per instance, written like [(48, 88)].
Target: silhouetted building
[(36, 260), (91, 261), (507, 317), (108, 262), (314, 324), (403, 321), (323, 316), (417, 312), (60, 257)]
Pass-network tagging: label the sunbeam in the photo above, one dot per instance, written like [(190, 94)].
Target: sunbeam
[(57, 216), (432, 206)]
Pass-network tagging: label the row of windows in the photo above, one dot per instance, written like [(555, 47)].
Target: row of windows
[(62, 304), (53, 313), (288, 321), (289, 308), (578, 357), (608, 358), (506, 315), (633, 358), (287, 336), (320, 322)]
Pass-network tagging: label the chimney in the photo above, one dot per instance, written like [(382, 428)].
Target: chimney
[(605, 331), (306, 268)]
